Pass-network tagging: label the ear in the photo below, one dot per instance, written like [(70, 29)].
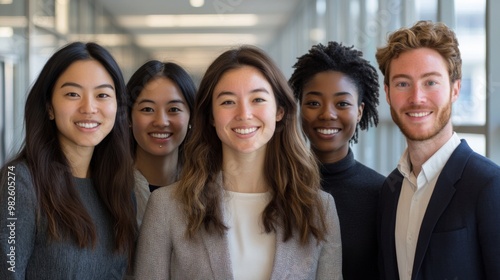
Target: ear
[(51, 112), (279, 114), (361, 107), (455, 90), (387, 97)]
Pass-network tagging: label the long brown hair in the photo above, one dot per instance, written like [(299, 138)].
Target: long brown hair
[(110, 167), (291, 169)]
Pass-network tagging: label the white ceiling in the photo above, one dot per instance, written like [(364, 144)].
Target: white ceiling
[(194, 47)]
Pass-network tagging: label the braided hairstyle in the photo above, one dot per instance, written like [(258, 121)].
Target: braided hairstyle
[(349, 61)]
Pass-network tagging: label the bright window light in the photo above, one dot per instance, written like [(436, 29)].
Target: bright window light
[(201, 20), (197, 3), (6, 32)]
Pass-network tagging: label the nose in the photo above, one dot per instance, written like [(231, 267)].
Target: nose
[(88, 105), (161, 119), (328, 112), (417, 95), (244, 111)]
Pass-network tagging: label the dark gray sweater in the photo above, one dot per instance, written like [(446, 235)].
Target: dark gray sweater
[(355, 189), (38, 258)]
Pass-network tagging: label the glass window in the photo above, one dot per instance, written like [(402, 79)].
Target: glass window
[(476, 141), (427, 10), (470, 108)]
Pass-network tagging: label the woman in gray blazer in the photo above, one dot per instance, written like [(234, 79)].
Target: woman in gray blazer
[(248, 204)]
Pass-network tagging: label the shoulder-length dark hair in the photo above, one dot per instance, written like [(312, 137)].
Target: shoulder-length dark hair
[(154, 69), (291, 170), (110, 167)]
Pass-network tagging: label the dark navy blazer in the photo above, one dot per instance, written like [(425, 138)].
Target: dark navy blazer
[(460, 233)]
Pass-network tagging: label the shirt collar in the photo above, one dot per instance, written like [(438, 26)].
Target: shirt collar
[(404, 165), (433, 166)]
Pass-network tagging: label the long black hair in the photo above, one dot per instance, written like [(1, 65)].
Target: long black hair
[(110, 167), (154, 69)]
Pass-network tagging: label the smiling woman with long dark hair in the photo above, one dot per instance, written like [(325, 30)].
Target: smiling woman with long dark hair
[(73, 176)]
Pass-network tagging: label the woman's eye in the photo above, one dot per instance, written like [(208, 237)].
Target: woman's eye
[(103, 95), (312, 103), (147, 109), (227, 102)]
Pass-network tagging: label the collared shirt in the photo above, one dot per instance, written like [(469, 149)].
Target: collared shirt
[(413, 200)]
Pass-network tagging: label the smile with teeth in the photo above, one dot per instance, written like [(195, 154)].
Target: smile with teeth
[(245, 130), (327, 131), (160, 135), (87, 124), (419, 115)]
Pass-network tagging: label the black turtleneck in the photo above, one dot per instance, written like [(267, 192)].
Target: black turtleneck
[(355, 188)]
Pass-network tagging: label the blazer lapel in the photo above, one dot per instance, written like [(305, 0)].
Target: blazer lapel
[(395, 182), (293, 260), (218, 248), (441, 197), (387, 222), (218, 253), (283, 257)]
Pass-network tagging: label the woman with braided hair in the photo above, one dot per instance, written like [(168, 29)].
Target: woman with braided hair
[(338, 94)]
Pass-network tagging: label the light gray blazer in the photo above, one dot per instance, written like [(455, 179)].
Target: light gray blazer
[(164, 252), (142, 192)]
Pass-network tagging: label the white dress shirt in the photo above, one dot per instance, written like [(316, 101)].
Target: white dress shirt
[(413, 200)]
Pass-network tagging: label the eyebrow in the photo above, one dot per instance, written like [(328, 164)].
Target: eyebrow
[(71, 84), (223, 93), (152, 101), (423, 76), (317, 93)]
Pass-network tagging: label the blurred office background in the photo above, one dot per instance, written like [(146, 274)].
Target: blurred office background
[(193, 32)]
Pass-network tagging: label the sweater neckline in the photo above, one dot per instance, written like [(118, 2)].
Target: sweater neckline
[(82, 181), (339, 166)]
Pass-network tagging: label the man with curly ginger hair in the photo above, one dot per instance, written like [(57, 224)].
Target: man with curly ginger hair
[(439, 212)]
